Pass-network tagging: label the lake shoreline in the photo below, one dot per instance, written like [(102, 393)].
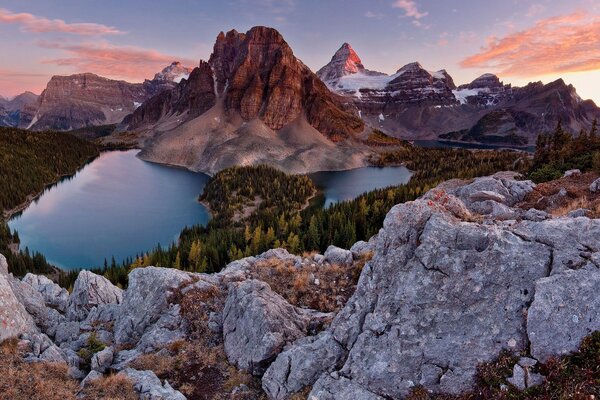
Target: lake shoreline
[(9, 214)]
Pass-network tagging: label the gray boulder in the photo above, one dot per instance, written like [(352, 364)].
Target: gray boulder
[(595, 186), (335, 255), (89, 291), (54, 296), (147, 384), (89, 378), (258, 323), (518, 378), (46, 318), (580, 212), (572, 172), (340, 388), (146, 300), (14, 319), (302, 364), (566, 308), (102, 360)]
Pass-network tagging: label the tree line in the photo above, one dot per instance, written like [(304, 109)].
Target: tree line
[(559, 151)]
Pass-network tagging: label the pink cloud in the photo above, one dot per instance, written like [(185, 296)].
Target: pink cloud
[(32, 23), (567, 43), (410, 9), (124, 62)]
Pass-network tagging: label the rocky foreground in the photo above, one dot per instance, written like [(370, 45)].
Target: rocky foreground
[(452, 280)]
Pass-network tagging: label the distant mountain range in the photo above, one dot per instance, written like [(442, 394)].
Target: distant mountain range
[(254, 102), (420, 104)]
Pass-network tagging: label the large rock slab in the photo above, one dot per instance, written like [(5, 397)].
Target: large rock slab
[(89, 291), (340, 388), (146, 300), (14, 319), (147, 384), (258, 323), (566, 308), (302, 364), (54, 296), (447, 290)]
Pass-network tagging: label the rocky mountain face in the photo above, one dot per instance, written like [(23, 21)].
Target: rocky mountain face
[(83, 100), (252, 88), (344, 62), (258, 77), (453, 279), (415, 103), (19, 111)]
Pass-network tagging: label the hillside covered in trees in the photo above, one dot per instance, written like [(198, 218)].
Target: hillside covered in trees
[(29, 161)]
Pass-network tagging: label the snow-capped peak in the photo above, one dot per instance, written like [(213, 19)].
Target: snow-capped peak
[(173, 73), (344, 62)]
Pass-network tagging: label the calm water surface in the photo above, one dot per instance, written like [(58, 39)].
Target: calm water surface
[(346, 185), (119, 205), (116, 205)]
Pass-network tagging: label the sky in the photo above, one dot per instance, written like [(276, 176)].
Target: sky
[(519, 40)]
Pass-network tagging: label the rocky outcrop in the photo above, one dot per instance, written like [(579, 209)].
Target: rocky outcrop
[(14, 319), (565, 302), (444, 293), (258, 323), (54, 296), (89, 291)]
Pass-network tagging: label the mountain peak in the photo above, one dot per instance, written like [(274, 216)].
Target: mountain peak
[(175, 72), (344, 62)]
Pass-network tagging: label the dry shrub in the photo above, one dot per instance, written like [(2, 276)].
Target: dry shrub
[(545, 196), (111, 387), (323, 287), (32, 381)]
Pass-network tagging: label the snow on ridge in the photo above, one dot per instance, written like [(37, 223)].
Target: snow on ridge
[(462, 94), (181, 77), (355, 82)]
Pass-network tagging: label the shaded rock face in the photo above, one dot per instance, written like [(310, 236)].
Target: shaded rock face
[(14, 319), (444, 294), (89, 291), (147, 384), (258, 323), (194, 94), (257, 76), (76, 101), (83, 100)]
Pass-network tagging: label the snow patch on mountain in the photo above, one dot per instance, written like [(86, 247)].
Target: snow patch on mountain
[(462, 94)]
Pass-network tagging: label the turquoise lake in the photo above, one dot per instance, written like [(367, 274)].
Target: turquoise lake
[(119, 205)]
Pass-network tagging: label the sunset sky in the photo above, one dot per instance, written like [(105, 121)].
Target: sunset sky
[(519, 40)]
